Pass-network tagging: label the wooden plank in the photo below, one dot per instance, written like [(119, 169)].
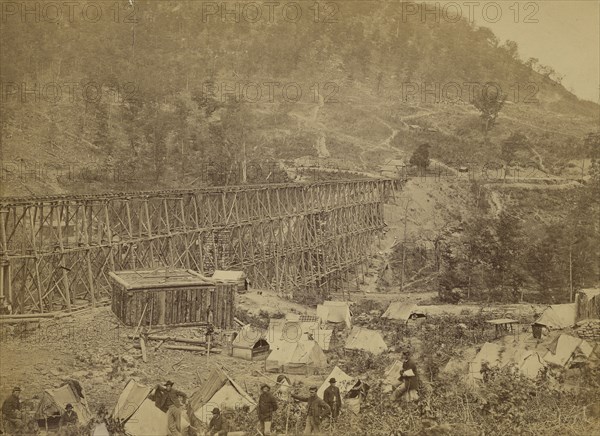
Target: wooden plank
[(143, 348)]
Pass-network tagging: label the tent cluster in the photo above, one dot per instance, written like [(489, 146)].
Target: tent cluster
[(137, 410), (294, 344), (564, 351)]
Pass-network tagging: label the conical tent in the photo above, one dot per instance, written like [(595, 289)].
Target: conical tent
[(141, 416), (220, 391), (302, 357), (366, 340), (53, 402)]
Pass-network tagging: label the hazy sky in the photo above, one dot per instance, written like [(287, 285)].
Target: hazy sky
[(565, 37)]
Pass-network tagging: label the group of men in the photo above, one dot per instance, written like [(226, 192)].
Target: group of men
[(13, 419), (170, 401)]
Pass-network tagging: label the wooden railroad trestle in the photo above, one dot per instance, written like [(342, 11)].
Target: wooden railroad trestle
[(294, 238)]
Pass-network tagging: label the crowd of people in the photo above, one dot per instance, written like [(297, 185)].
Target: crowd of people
[(172, 401)]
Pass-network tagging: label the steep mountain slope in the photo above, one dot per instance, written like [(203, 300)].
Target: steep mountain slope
[(182, 96)]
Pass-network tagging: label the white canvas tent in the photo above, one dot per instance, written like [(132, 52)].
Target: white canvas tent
[(345, 383), (528, 362), (53, 402), (403, 311), (335, 312), (365, 340), (302, 357), (567, 349), (220, 391), (558, 316), (141, 416)]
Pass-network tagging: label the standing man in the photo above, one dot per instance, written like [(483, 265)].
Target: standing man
[(166, 395), (11, 412), (410, 378), (333, 399), (69, 418), (267, 404), (317, 409), (218, 424), (174, 418)]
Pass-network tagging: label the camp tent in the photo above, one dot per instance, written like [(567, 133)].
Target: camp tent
[(343, 381), (53, 402), (140, 414), (285, 330), (335, 311), (567, 349), (558, 316), (528, 362), (220, 391), (250, 343), (352, 390), (403, 311), (365, 340), (302, 357)]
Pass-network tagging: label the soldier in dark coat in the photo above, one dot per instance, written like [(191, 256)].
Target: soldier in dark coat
[(166, 396), (218, 424), (11, 413), (68, 418), (332, 397), (317, 409), (411, 383), (267, 404)]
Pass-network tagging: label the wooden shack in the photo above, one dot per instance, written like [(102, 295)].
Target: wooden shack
[(587, 302), (171, 298)]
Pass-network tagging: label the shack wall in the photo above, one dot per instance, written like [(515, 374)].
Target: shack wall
[(587, 308), (175, 306)]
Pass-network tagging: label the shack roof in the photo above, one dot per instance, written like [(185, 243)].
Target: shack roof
[(590, 293), (159, 278), (224, 276)]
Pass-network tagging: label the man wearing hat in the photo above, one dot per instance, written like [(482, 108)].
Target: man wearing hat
[(69, 417), (332, 397), (11, 412), (218, 424), (317, 409), (166, 395), (267, 404)]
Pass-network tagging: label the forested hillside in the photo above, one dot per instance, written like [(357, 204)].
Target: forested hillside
[(179, 94)]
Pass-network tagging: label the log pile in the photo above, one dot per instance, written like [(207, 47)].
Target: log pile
[(589, 329)]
